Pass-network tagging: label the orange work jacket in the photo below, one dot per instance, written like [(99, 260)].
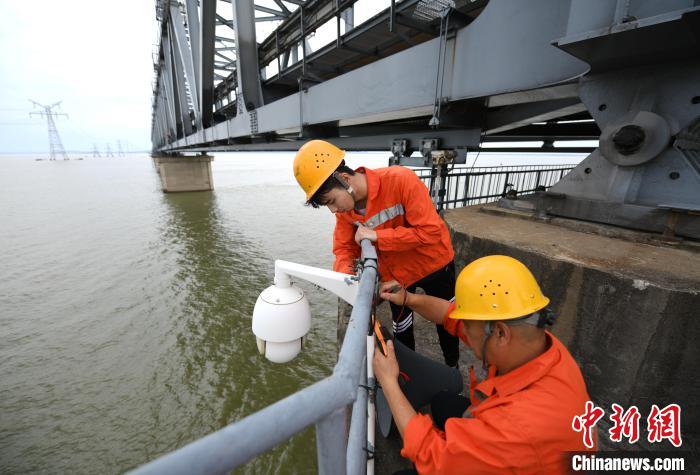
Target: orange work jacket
[(519, 422), (412, 239)]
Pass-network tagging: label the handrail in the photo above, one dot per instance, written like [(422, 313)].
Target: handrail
[(322, 403), (466, 186)]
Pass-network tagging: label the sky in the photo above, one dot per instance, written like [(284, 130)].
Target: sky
[(94, 56)]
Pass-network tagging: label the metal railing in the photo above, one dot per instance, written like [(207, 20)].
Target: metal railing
[(340, 449), (467, 186)]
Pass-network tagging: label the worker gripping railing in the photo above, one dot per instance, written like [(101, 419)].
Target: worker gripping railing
[(323, 404)]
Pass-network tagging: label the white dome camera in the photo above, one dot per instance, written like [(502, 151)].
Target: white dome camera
[(281, 320)]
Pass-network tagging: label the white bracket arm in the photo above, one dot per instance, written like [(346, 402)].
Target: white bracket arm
[(343, 285)]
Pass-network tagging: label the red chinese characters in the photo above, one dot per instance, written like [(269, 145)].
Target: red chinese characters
[(587, 421), (625, 423), (665, 424), (662, 424)]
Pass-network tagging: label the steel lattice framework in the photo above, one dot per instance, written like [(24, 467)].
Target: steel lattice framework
[(55, 145), (429, 75)]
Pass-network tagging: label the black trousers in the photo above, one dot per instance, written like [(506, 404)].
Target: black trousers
[(442, 407), (440, 283), (445, 405)]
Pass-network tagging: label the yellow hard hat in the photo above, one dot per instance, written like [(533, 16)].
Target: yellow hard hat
[(315, 161), (496, 288)]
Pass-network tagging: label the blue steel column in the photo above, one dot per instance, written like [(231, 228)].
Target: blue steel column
[(247, 67)]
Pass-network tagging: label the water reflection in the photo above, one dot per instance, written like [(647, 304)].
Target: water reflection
[(219, 378)]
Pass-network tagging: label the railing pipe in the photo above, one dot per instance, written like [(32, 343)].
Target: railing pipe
[(356, 455), (237, 443), (331, 445)]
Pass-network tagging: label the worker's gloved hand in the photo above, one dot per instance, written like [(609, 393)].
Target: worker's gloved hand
[(364, 232), (393, 292)]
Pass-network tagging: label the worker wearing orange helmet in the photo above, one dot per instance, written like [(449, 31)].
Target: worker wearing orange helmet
[(518, 419), (392, 208)]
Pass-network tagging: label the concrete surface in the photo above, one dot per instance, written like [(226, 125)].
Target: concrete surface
[(184, 173)]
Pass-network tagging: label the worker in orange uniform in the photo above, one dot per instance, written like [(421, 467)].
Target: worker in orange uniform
[(518, 419), (392, 208)]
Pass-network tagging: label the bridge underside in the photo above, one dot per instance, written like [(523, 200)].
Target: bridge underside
[(423, 76)]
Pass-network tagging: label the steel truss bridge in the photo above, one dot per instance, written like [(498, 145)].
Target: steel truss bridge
[(449, 75)]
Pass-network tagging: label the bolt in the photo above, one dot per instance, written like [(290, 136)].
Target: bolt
[(629, 139)]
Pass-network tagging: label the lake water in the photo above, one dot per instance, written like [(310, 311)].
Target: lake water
[(125, 313)]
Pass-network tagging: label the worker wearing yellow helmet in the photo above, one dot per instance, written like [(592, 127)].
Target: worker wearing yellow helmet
[(392, 208), (519, 418)]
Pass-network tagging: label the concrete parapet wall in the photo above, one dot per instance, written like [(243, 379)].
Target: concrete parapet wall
[(629, 311), (179, 173)]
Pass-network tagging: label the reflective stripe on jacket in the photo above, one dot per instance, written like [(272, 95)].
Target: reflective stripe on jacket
[(412, 239), (522, 426)]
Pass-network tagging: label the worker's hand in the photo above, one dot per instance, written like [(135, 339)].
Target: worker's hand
[(364, 232), (393, 292), (386, 368)]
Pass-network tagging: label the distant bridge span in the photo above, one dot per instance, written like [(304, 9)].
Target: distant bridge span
[(422, 76)]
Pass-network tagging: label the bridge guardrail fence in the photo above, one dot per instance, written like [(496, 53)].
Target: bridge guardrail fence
[(467, 186)]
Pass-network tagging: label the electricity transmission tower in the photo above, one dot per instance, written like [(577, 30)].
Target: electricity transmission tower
[(55, 144), (95, 151), (120, 152), (108, 151)]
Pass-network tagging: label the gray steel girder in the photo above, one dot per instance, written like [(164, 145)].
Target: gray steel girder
[(185, 55), (168, 88), (193, 25), (207, 47), (486, 58), (640, 174), (182, 108), (247, 67)]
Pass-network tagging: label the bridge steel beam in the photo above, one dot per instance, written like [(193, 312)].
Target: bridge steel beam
[(486, 58), (185, 56), (181, 107), (206, 64), (193, 26), (631, 65), (167, 85), (247, 67)]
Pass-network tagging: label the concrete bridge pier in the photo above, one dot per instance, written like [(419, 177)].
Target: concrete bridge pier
[(181, 173)]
